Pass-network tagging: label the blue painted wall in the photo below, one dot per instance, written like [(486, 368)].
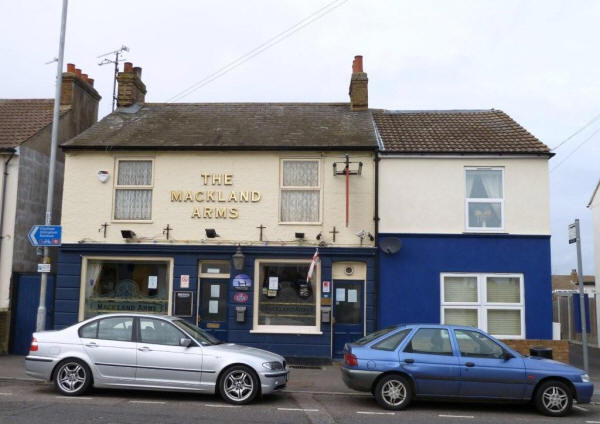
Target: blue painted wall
[(409, 286), (186, 260)]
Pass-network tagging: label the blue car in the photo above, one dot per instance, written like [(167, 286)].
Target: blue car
[(444, 361)]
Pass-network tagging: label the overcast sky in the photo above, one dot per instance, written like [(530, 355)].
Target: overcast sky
[(536, 60)]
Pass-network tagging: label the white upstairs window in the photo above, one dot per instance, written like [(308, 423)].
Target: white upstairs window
[(133, 190), (300, 191), (484, 204)]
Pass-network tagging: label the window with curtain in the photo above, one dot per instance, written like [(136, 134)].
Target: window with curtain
[(492, 302), (484, 198), (133, 190), (300, 191)]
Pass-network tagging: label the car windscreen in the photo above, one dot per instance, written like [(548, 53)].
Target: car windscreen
[(196, 332), (375, 335)]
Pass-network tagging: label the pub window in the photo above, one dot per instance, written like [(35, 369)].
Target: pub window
[(284, 301), (133, 190), (300, 191), (125, 286)]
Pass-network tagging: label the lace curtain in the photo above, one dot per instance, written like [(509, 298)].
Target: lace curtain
[(133, 203), (484, 184), (300, 205)]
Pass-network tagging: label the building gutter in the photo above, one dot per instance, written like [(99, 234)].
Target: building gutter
[(3, 194)]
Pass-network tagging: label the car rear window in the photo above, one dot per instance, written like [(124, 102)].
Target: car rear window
[(370, 337), (392, 342)]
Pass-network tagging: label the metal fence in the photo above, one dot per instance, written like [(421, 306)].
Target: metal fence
[(562, 312)]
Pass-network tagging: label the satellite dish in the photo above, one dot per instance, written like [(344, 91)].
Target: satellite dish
[(390, 245)]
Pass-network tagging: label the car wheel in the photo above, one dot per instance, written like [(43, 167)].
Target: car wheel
[(393, 392), (72, 377), (239, 385), (554, 398)]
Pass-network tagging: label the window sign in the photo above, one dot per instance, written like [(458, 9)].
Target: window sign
[(242, 282), (352, 296), (326, 286), (152, 282), (213, 270), (215, 290), (184, 281), (340, 295), (273, 283), (213, 307)]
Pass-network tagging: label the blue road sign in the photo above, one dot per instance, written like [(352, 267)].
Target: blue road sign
[(45, 235)]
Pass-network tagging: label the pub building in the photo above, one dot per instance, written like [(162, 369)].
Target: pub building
[(255, 221)]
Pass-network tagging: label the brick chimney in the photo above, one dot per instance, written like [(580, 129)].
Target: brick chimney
[(131, 88), (78, 92), (359, 93)]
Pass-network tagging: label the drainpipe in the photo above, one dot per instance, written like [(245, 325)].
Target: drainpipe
[(3, 195), (376, 219)]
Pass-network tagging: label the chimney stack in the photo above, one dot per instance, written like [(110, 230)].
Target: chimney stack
[(131, 88), (359, 93), (79, 93)]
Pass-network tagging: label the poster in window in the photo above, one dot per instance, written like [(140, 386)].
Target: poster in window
[(352, 295), (152, 282), (183, 304), (213, 306), (340, 295), (215, 290), (273, 283)]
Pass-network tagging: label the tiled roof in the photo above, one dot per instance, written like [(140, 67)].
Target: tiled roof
[(299, 126), (455, 131), (22, 118)]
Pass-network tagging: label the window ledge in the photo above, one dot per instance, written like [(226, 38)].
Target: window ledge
[(278, 331)]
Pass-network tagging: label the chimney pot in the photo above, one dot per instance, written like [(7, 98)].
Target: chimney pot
[(78, 72), (71, 68), (128, 67), (138, 71), (84, 77), (357, 64), (90, 81)]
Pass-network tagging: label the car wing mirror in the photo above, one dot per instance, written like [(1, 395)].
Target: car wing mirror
[(507, 355), (185, 342)]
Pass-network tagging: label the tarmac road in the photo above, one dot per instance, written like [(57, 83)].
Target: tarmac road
[(37, 402)]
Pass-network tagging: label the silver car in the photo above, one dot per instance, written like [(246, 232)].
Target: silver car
[(152, 352)]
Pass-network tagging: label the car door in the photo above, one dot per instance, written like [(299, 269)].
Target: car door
[(162, 361), (110, 345), (430, 359), (485, 371)]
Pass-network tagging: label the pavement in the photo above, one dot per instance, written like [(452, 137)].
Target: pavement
[(313, 396)]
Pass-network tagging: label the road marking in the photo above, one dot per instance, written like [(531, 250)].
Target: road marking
[(148, 401), (375, 413), (312, 392), (455, 416), (581, 408), (215, 405), (73, 398), (298, 409), (6, 394), (593, 422)]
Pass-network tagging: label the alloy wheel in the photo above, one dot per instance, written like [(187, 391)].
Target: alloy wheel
[(555, 399), (393, 392), (239, 385), (71, 377)]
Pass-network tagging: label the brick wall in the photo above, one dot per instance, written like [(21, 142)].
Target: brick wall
[(560, 348)]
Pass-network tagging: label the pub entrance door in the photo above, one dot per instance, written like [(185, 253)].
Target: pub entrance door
[(213, 298), (347, 313)]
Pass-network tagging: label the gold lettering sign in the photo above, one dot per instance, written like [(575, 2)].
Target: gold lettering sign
[(215, 196)]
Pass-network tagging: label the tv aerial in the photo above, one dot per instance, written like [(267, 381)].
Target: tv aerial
[(118, 58)]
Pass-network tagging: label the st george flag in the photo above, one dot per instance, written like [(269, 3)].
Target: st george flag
[(315, 259)]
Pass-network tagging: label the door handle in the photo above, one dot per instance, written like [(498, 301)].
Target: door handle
[(409, 361), (470, 364), (91, 344), (144, 349)]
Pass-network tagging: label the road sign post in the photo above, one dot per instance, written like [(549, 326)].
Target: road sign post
[(575, 237)]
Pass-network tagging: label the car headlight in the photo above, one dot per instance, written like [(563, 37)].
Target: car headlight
[(585, 378), (273, 366)]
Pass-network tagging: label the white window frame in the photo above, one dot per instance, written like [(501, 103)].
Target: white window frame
[(305, 188), (84, 263), (482, 305), (487, 200), (116, 187), (287, 329)]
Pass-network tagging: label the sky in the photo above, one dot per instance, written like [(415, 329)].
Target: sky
[(535, 60)]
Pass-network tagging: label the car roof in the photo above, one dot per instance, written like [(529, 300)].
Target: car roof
[(134, 314), (447, 326)]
